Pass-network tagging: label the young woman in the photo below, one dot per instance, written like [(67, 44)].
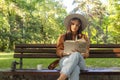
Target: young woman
[(74, 62)]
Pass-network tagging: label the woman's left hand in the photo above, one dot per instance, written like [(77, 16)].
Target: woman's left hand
[(75, 50)]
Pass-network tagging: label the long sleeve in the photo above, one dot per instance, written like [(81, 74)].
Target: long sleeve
[(60, 46), (85, 55)]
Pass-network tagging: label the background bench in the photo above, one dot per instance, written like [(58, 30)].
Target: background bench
[(49, 51)]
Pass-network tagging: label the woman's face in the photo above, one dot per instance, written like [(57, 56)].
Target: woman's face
[(75, 24)]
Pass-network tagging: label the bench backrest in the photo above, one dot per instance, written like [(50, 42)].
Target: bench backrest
[(49, 51)]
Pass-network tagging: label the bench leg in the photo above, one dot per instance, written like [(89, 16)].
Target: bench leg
[(21, 63)]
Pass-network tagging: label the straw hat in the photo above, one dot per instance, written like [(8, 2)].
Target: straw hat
[(81, 17)]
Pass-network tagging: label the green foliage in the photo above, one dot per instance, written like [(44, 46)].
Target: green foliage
[(30, 21), (104, 20), (41, 21)]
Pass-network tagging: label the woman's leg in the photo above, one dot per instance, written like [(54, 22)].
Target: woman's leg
[(69, 63), (75, 74), (62, 76), (81, 63)]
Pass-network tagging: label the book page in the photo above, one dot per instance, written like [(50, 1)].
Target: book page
[(70, 45)]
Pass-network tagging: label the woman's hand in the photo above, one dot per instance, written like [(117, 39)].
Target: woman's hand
[(75, 50), (83, 54), (65, 54)]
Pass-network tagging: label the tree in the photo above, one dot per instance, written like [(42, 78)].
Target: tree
[(99, 19), (114, 21), (30, 21)]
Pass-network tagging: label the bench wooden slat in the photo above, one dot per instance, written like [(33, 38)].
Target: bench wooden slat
[(35, 46), (104, 45), (48, 55), (49, 50), (103, 51), (104, 56), (54, 45), (53, 75), (43, 50), (56, 72), (35, 55)]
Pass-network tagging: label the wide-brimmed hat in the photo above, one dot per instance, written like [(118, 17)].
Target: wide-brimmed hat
[(80, 16)]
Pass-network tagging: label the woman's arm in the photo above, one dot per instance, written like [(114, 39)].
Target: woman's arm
[(60, 46), (85, 55)]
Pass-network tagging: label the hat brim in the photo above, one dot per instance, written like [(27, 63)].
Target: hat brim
[(81, 17)]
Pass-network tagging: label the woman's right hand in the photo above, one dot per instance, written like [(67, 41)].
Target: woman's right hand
[(66, 54)]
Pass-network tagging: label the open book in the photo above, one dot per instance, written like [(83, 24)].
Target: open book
[(70, 45)]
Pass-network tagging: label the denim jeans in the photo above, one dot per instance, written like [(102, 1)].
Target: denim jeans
[(71, 65)]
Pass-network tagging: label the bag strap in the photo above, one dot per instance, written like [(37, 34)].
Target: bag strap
[(54, 64)]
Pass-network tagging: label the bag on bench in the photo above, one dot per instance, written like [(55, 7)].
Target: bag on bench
[(54, 64)]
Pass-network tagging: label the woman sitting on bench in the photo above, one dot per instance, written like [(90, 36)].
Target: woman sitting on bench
[(73, 62)]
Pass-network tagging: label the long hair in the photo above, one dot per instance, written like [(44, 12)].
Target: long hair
[(68, 35)]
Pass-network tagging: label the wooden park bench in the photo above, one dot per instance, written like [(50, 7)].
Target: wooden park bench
[(49, 51)]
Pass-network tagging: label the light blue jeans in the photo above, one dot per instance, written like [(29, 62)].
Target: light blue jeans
[(71, 65)]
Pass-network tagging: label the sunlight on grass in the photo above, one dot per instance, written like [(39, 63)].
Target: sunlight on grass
[(5, 58), (5, 53)]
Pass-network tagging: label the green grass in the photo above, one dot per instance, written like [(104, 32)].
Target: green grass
[(103, 62), (7, 58)]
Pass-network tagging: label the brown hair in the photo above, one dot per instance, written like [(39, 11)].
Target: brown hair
[(68, 35)]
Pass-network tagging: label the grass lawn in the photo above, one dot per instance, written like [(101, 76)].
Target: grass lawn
[(7, 58)]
